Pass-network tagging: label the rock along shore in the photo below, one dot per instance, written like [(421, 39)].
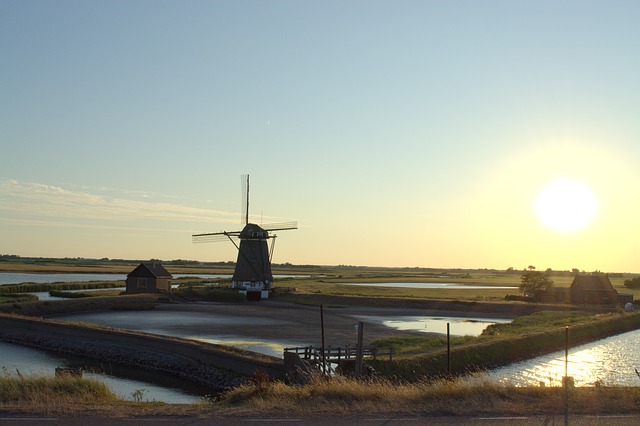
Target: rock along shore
[(202, 363)]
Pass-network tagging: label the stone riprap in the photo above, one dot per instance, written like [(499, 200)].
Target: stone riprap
[(202, 363)]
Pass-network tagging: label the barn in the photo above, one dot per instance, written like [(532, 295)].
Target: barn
[(149, 277), (593, 289)]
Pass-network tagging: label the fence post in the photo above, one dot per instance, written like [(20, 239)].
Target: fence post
[(359, 351)]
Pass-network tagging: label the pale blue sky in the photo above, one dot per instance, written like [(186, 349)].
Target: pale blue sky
[(405, 133)]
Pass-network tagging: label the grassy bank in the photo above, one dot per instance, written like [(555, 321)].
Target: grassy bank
[(58, 286), (69, 306), (501, 344)]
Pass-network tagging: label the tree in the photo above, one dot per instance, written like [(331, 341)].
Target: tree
[(535, 280)]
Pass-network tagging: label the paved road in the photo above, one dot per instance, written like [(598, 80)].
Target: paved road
[(613, 420)]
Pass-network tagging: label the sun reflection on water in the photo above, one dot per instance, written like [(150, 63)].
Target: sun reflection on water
[(610, 361)]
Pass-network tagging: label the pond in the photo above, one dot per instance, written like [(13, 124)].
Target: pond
[(458, 326), (612, 361), (127, 383)]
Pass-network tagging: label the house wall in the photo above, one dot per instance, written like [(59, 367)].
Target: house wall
[(148, 285), (593, 297), (141, 284), (163, 285)]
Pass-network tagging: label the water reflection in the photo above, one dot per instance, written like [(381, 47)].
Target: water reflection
[(192, 325), (430, 324), (611, 361), (266, 347), (122, 381)]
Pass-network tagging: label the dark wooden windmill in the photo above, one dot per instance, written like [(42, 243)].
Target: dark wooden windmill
[(253, 268)]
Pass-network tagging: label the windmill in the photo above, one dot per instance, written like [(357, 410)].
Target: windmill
[(253, 268)]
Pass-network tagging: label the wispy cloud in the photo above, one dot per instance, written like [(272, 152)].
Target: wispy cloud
[(48, 201)]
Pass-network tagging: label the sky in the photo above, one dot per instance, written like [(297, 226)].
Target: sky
[(401, 134)]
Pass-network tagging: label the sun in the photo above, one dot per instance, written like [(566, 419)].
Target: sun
[(566, 205)]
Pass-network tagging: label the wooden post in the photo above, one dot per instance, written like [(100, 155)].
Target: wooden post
[(448, 350), (566, 351), (359, 351), (566, 380), (324, 362)]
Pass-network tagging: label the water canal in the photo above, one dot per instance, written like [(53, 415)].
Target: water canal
[(129, 384), (611, 362)]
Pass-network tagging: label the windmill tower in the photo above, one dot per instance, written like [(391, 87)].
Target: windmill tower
[(253, 267)]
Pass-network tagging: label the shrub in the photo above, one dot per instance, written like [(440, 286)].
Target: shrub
[(632, 283)]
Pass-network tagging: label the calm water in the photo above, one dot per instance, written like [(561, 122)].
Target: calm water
[(436, 324), (611, 361), (122, 381), (189, 325), (18, 277)]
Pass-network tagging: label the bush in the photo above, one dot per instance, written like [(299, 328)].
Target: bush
[(632, 283)]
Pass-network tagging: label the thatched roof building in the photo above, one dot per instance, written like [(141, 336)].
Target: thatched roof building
[(149, 277), (593, 289)]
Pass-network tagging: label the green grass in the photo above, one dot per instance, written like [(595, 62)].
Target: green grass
[(404, 346), (539, 322)]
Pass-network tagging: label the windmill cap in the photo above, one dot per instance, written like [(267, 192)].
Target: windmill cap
[(251, 230)]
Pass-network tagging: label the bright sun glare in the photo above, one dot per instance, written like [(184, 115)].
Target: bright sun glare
[(566, 205)]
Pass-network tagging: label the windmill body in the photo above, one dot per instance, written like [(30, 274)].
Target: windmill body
[(253, 267), (252, 274)]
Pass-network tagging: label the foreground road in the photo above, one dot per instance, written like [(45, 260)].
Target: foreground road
[(586, 420)]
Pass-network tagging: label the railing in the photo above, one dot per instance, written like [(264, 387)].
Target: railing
[(338, 354)]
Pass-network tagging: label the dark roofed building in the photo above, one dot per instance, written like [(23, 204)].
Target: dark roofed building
[(149, 277), (593, 289)]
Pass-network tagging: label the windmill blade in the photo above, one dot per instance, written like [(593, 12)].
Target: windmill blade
[(282, 226), (214, 236), (244, 209)]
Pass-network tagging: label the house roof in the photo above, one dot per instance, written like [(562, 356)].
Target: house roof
[(593, 282), (155, 268)]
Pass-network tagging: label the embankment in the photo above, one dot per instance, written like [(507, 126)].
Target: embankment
[(460, 307), (497, 351), (214, 366)]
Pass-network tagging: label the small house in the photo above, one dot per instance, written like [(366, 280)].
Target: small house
[(149, 277), (593, 289)]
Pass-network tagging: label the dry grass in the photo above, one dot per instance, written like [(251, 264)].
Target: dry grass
[(52, 393), (322, 396), (457, 397)]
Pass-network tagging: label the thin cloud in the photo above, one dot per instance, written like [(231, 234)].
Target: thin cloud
[(41, 200)]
